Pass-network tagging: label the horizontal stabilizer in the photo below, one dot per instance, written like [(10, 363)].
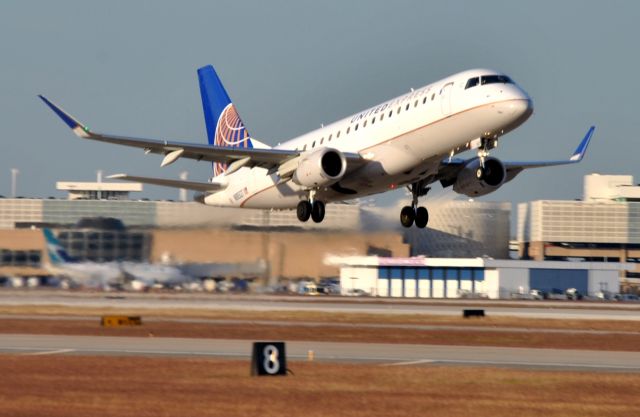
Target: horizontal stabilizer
[(188, 185)]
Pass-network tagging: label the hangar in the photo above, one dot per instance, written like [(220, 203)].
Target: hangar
[(422, 277)]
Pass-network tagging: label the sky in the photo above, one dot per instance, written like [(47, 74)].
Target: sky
[(129, 67)]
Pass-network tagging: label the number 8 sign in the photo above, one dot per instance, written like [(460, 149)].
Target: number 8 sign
[(268, 359)]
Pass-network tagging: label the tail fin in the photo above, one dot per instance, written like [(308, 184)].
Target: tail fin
[(224, 126), (57, 254)]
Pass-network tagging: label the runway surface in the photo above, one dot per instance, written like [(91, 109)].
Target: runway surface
[(378, 353), (557, 310)]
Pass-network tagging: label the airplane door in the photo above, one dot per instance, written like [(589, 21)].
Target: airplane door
[(445, 98)]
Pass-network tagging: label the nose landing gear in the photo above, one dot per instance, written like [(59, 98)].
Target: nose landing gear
[(486, 144), (414, 214)]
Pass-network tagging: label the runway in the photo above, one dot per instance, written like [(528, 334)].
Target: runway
[(375, 353), (524, 309)]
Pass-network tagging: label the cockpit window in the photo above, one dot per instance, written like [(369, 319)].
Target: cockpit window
[(472, 82), (495, 79), (488, 79)]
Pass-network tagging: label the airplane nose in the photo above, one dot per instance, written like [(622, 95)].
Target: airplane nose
[(522, 107)]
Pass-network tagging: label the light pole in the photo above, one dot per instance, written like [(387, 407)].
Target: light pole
[(183, 192), (14, 181), (99, 179)]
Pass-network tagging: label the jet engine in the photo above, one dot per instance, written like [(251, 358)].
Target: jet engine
[(474, 181), (320, 168)]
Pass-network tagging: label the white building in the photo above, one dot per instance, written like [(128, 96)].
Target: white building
[(603, 226), (456, 277)]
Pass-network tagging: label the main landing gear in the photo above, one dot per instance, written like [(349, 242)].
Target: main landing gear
[(310, 208), (414, 214)]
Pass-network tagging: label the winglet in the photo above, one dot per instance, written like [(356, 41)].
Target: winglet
[(582, 148), (75, 125)]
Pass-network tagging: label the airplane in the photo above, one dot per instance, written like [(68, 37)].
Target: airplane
[(410, 140), (137, 275), (88, 274)]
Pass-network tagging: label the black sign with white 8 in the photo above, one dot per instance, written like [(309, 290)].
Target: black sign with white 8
[(268, 359)]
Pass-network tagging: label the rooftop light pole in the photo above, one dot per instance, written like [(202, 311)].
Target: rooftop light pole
[(14, 181)]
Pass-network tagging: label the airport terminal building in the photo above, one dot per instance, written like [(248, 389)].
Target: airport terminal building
[(157, 231), (604, 226)]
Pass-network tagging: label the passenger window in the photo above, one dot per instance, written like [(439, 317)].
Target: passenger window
[(356, 126), (390, 113), (348, 130), (424, 100), (373, 120), (433, 96), (329, 140), (304, 148), (313, 145), (407, 107), (338, 135), (381, 117), (321, 141), (398, 112), (364, 124), (415, 104)]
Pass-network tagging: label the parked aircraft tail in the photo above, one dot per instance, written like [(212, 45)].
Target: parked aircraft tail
[(57, 253), (224, 126)]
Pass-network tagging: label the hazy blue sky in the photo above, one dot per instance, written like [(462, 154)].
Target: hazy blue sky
[(129, 67)]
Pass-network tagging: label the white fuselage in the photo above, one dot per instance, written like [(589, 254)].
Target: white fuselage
[(89, 274), (404, 140)]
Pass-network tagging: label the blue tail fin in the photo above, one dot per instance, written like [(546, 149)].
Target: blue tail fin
[(224, 126), (57, 254)]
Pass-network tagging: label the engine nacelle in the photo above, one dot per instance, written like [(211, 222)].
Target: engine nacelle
[(470, 185), (321, 168)]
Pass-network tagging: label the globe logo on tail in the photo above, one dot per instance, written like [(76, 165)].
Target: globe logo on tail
[(230, 132)]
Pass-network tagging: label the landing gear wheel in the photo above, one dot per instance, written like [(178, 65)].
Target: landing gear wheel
[(422, 217), (407, 216), (317, 211), (480, 173), (303, 211)]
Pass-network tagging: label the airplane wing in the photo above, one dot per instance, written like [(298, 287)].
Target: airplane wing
[(188, 185), (244, 157), (174, 150), (449, 170)]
